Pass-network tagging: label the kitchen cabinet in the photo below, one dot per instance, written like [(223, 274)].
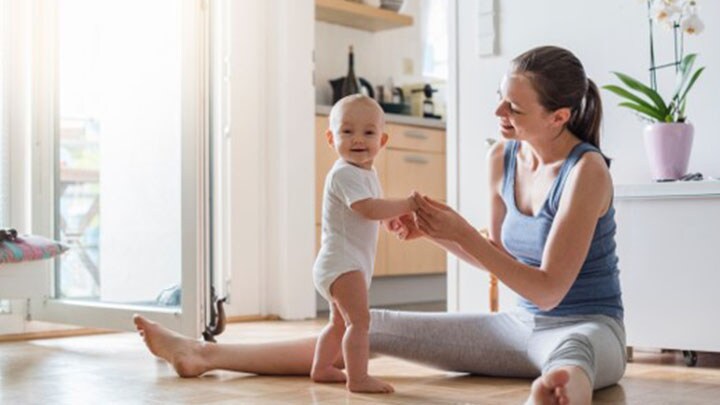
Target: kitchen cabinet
[(414, 159), (360, 16)]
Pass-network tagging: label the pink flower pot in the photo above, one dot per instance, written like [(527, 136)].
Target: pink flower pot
[(668, 147)]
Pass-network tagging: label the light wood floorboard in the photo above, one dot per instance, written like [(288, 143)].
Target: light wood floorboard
[(116, 368)]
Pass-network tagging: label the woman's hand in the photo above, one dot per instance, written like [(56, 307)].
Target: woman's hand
[(437, 220)]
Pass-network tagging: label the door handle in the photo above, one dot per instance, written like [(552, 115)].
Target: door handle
[(416, 159), (415, 135)]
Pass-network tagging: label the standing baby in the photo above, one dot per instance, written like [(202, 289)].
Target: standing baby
[(352, 209)]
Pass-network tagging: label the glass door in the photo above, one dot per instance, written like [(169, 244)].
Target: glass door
[(130, 152)]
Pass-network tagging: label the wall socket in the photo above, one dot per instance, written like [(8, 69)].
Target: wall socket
[(408, 66), (5, 307)]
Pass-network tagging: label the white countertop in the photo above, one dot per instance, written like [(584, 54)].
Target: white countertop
[(395, 118), (674, 189)]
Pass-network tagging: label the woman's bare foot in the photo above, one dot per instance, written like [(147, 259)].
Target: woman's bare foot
[(370, 385), (184, 354), (329, 374), (550, 388)]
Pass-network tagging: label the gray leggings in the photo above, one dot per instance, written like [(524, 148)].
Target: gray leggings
[(508, 344)]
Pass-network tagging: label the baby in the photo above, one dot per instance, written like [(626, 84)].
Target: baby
[(352, 209)]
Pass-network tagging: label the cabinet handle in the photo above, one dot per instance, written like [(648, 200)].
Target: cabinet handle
[(415, 135), (416, 159)]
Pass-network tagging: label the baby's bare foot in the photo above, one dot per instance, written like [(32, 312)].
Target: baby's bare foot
[(370, 385), (184, 354), (550, 388), (329, 374)]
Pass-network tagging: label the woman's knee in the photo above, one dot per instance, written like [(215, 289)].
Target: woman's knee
[(600, 357)]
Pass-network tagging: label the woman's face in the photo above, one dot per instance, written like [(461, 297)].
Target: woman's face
[(521, 115)]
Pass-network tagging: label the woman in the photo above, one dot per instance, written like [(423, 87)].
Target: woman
[(551, 240)]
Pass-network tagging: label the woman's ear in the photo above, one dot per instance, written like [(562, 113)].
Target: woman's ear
[(384, 138), (561, 116)]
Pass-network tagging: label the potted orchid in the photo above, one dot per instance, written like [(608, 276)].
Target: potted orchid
[(668, 137)]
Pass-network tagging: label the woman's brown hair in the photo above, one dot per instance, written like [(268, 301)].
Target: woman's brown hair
[(560, 81)]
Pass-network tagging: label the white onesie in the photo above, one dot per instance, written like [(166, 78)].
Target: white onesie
[(349, 241)]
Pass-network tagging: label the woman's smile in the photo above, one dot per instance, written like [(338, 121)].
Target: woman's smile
[(506, 127)]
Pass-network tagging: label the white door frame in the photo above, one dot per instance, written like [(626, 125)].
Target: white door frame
[(271, 160), (452, 149), (189, 320)]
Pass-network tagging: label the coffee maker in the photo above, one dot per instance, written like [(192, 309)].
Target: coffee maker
[(428, 106)]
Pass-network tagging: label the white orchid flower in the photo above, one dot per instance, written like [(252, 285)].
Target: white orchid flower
[(692, 24), (664, 12)]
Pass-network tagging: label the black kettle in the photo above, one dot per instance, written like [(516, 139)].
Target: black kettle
[(337, 85)]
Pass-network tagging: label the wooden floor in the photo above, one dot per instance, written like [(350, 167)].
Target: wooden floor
[(116, 368)]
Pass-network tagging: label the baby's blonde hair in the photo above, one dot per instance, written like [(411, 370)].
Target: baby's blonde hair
[(336, 113)]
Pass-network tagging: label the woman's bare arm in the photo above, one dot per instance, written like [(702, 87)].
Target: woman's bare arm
[(566, 248), (585, 198)]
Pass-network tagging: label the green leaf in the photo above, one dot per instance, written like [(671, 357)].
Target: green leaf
[(695, 76), (684, 73), (630, 96), (649, 112), (650, 93)]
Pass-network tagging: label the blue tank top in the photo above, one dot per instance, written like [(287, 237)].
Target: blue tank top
[(597, 287)]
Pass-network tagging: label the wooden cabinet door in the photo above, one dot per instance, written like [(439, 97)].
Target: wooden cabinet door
[(414, 257), (415, 138), (421, 171)]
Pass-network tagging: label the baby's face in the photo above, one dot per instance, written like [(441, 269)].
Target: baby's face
[(359, 135)]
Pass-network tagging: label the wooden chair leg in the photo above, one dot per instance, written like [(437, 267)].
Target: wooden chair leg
[(494, 294), (494, 289)]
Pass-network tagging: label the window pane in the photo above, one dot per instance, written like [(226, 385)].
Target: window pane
[(118, 186)]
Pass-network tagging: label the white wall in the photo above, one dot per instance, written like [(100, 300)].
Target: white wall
[(272, 197), (608, 35), (378, 55)]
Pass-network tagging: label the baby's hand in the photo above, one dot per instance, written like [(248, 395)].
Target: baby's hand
[(393, 225), (408, 229)]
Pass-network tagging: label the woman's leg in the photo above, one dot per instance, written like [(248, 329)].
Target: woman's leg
[(578, 355), (327, 349), (486, 344), (349, 292), (191, 358)]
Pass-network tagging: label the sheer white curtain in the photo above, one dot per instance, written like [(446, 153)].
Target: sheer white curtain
[(15, 71), (4, 138)]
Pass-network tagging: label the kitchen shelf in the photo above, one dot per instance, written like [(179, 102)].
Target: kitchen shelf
[(360, 16)]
